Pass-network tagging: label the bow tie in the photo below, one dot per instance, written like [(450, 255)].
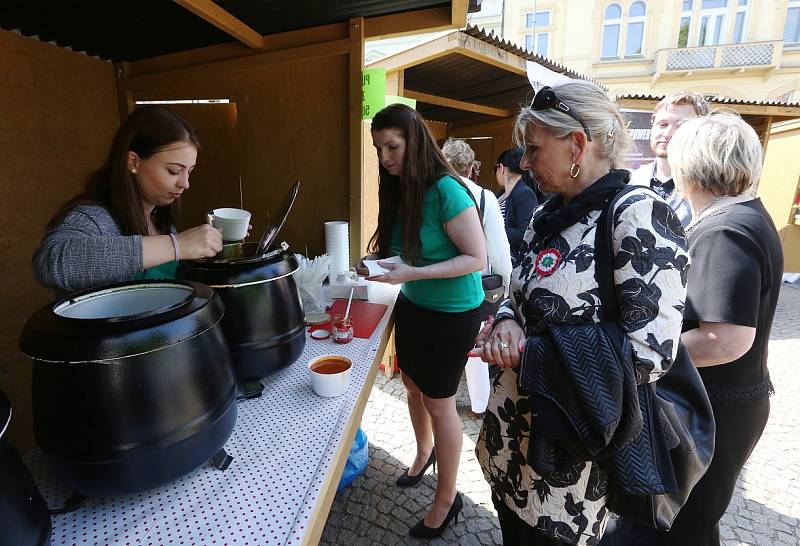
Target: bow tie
[(664, 189)]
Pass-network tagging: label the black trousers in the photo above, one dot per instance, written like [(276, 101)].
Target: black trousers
[(697, 524), (518, 533)]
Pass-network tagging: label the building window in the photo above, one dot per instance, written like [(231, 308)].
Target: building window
[(705, 22), (635, 34), (542, 19), (686, 23), (791, 34), (739, 22), (712, 21), (611, 29), (537, 42)]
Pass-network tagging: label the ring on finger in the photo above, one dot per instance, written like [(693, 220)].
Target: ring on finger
[(502, 345)]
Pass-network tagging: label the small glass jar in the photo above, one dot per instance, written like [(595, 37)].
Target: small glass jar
[(342, 329)]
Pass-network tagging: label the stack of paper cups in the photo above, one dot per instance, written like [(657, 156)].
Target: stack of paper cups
[(337, 246)]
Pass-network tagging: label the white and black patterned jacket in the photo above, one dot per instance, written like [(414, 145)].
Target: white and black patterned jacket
[(651, 264)]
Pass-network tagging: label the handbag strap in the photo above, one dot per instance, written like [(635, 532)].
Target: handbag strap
[(480, 211), (604, 254)]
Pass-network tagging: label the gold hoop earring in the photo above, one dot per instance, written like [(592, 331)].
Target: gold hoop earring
[(575, 167)]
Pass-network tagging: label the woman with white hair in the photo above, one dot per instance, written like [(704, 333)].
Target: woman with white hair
[(575, 141), (734, 283)]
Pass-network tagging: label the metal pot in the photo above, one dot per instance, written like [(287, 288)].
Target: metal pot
[(24, 519), (133, 384), (264, 323)]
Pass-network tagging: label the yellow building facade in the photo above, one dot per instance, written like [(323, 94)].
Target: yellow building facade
[(737, 48)]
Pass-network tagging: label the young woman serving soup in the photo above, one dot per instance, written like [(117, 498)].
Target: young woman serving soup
[(428, 217), (122, 226)]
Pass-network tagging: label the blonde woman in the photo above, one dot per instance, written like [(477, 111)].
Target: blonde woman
[(734, 283)]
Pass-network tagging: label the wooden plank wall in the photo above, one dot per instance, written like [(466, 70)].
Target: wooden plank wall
[(501, 134), (58, 118), (292, 124)]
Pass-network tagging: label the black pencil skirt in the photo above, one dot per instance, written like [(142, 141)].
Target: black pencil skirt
[(432, 346)]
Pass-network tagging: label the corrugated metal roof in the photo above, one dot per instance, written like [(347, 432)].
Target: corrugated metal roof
[(122, 30), (505, 45), (459, 77), (716, 99)]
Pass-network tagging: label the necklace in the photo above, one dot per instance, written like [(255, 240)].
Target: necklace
[(709, 205), (708, 212)]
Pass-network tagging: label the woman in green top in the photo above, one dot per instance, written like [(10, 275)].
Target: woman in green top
[(429, 218), (122, 226)]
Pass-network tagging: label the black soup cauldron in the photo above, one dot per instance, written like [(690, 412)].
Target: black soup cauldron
[(24, 519), (133, 384), (264, 321)]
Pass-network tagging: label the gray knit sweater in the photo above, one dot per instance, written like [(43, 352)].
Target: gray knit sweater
[(87, 249)]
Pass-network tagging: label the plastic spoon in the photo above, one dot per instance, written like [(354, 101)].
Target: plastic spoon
[(349, 301)]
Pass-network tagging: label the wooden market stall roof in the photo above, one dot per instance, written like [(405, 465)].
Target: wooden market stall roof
[(131, 31), (467, 76)]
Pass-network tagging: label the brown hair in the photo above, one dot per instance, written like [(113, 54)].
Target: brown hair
[(423, 164), (147, 130), (684, 98)]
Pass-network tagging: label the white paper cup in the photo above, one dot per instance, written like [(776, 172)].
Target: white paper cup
[(232, 222), (330, 384)]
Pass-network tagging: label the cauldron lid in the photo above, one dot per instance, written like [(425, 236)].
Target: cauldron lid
[(248, 270), (120, 320)]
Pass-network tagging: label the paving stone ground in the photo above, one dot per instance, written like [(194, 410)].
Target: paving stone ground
[(765, 509)]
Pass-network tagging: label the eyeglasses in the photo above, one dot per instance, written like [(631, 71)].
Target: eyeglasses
[(546, 98)]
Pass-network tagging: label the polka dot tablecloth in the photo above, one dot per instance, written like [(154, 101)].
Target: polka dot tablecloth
[(283, 448)]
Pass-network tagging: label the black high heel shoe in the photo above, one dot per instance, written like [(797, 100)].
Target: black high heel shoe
[(408, 481), (420, 530)]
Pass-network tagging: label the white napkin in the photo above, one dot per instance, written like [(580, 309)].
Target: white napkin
[(375, 269)]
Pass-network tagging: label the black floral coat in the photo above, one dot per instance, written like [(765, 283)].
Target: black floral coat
[(554, 283)]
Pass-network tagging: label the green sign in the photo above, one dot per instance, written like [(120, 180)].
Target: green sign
[(392, 99), (373, 91)]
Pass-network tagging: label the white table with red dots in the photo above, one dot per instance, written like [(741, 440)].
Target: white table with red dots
[(289, 448)]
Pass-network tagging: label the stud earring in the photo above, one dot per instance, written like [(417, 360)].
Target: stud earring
[(133, 171)]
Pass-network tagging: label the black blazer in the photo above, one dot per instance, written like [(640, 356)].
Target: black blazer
[(519, 208)]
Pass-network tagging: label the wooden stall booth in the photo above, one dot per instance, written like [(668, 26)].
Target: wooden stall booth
[(273, 89), (467, 84), (776, 124)]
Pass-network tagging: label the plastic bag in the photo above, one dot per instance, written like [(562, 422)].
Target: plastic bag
[(356, 461)]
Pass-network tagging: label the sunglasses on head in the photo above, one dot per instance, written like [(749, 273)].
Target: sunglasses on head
[(546, 98)]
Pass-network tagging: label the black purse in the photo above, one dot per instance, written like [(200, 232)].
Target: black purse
[(492, 282), (677, 404)]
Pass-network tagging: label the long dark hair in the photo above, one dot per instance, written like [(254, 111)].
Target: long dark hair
[(423, 164), (511, 159), (147, 130)]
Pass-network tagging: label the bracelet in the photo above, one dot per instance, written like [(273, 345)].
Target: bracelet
[(175, 246)]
